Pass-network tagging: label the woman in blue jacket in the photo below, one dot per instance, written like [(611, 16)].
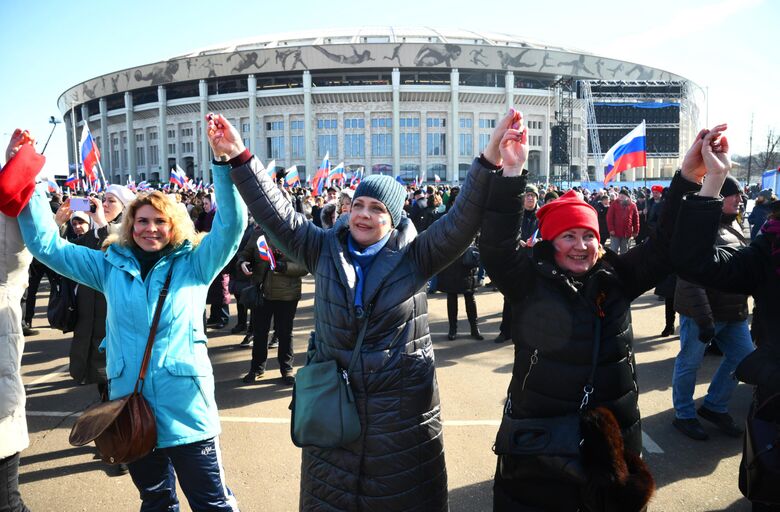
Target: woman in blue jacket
[(157, 236)]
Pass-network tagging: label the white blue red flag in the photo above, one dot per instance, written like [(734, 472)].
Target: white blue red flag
[(292, 178), (71, 182), (337, 173), (318, 182), (144, 185), (90, 155), (265, 252), (271, 170), (176, 178), (627, 153), (436, 178), (53, 187)]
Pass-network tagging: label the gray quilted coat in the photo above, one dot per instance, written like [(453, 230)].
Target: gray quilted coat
[(398, 463)]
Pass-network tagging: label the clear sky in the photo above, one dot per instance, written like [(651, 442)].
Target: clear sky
[(725, 46)]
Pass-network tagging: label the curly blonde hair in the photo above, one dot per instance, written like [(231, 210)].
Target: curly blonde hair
[(182, 228)]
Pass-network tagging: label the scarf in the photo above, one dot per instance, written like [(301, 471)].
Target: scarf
[(147, 260), (362, 261), (772, 227)]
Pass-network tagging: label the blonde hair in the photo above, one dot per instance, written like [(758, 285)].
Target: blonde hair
[(182, 228)]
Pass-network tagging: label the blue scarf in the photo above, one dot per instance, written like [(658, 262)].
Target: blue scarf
[(362, 261)]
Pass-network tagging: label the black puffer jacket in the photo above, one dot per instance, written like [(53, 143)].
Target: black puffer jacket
[(553, 326), (398, 463), (708, 305)]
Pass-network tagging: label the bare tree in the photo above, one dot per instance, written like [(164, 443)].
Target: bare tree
[(769, 159)]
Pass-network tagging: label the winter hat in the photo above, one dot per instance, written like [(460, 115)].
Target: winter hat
[(82, 216), (386, 190), (625, 192), (730, 187), (567, 212), (124, 194), (17, 180), (532, 189), (657, 188)]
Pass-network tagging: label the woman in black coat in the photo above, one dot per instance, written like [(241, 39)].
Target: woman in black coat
[(564, 292), (460, 277), (753, 270)]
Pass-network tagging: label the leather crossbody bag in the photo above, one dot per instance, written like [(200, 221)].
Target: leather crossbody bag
[(124, 430)]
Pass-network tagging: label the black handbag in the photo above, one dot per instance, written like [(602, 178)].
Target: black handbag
[(545, 447), (252, 295), (471, 257), (324, 412), (61, 311), (759, 472)]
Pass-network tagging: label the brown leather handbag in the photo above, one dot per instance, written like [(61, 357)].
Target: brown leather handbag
[(124, 430)]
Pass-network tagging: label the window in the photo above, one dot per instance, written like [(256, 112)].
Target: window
[(487, 123), (327, 144), (140, 156), (275, 147), (354, 145), (298, 149), (466, 144), (245, 127), (171, 134), (381, 122), (466, 122), (355, 123), (139, 137), (154, 156), (186, 132), (381, 144), (484, 138), (410, 144), (274, 126), (296, 125), (327, 124), (410, 122), (186, 147), (409, 172), (436, 122), (152, 135), (436, 144), (436, 169), (171, 149), (114, 151)]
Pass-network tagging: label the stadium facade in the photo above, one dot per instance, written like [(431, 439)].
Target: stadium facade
[(402, 101)]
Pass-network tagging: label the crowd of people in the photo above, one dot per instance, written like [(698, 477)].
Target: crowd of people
[(569, 263)]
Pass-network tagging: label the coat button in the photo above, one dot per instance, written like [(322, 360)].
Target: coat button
[(555, 273)]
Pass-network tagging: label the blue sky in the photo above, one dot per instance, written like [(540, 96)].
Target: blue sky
[(725, 46)]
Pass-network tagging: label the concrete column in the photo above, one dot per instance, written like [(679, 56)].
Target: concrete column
[(453, 145), (69, 138), (340, 137), (544, 160), (251, 82), (131, 165), (308, 137), (287, 156), (396, 81), (424, 142), (509, 86), (162, 135), (204, 155), (84, 115), (105, 143)]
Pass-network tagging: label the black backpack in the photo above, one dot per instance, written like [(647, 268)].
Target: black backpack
[(62, 311)]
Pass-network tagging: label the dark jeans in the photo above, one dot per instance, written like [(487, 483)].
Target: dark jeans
[(201, 476), (10, 499), (283, 313), (452, 309)]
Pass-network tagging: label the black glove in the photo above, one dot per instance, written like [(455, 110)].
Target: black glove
[(706, 334), (281, 267)]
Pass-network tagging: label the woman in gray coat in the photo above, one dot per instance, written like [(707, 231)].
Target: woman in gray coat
[(374, 263)]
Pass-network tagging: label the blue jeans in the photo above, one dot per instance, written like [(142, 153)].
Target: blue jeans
[(201, 476), (733, 339)]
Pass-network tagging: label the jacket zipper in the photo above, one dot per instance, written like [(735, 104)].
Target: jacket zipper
[(534, 360)]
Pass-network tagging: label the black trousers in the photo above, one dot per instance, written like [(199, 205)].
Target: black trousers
[(36, 273), (505, 329), (10, 499), (669, 309), (452, 309), (283, 313)]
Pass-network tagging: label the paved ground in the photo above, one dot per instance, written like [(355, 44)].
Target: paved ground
[(263, 466)]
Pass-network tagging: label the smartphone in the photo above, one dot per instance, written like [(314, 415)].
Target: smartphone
[(81, 204)]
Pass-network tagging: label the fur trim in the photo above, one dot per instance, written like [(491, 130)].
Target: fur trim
[(617, 480)]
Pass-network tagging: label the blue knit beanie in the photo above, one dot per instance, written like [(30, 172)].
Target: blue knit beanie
[(386, 190)]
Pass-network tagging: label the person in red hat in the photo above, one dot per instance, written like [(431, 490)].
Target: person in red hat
[(569, 297)]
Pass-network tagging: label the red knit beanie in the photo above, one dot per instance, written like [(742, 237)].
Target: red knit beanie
[(567, 212), (17, 180)]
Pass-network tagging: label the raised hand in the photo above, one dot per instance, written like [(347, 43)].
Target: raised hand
[(18, 139), (508, 145), (224, 139), (716, 161), (63, 213), (693, 166)]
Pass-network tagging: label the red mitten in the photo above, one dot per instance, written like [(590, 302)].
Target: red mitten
[(17, 180)]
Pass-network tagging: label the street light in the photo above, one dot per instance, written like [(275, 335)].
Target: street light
[(54, 122)]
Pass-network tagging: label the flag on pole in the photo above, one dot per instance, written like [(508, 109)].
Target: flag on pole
[(292, 178), (318, 182), (53, 187), (176, 178), (97, 186), (337, 173), (265, 252), (436, 178), (271, 170), (627, 153), (144, 185), (71, 181), (90, 155)]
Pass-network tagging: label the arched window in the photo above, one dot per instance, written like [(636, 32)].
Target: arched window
[(463, 170), (434, 170), (409, 172), (382, 169)]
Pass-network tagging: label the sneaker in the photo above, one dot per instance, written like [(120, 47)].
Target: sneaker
[(691, 428), (238, 329), (274, 342), (722, 420), (251, 377), (288, 379), (27, 331), (248, 341)]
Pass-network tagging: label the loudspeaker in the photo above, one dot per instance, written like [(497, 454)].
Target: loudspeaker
[(559, 145)]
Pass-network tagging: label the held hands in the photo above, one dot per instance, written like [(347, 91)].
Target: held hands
[(508, 145), (224, 139), (716, 161), (18, 139)]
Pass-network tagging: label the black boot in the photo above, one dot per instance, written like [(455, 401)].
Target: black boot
[(471, 313), (453, 332), (475, 333), (668, 330)]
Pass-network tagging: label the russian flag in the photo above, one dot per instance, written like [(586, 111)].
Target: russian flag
[(627, 153), (53, 187), (337, 173), (90, 155), (318, 182), (144, 185), (436, 178), (176, 178), (271, 170), (265, 251), (292, 177), (71, 182)]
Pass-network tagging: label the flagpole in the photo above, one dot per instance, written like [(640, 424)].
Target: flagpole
[(76, 153), (100, 169)]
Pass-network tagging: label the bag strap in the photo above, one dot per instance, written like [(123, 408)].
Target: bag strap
[(363, 313), (594, 361), (152, 333)]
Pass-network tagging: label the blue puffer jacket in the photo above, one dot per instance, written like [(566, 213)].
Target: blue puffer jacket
[(179, 383)]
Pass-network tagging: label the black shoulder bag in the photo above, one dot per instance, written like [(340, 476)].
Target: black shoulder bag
[(759, 472)]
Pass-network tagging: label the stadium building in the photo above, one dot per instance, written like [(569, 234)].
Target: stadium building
[(402, 101)]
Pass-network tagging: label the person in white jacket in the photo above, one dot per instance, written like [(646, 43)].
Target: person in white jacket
[(14, 262)]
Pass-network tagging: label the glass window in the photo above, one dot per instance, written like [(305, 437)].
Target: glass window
[(436, 144), (410, 122), (381, 144), (274, 126), (296, 124), (171, 134), (410, 144), (355, 123), (436, 122), (152, 135), (298, 149), (381, 122), (354, 145), (466, 144), (466, 122), (484, 138), (437, 169), (327, 124), (139, 137), (487, 123), (245, 127), (140, 156), (275, 146), (172, 149), (409, 172), (327, 144), (154, 156), (186, 132)]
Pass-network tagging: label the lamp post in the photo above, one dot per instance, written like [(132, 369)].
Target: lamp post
[(54, 122)]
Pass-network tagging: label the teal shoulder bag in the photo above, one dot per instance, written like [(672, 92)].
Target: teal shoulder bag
[(324, 412)]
